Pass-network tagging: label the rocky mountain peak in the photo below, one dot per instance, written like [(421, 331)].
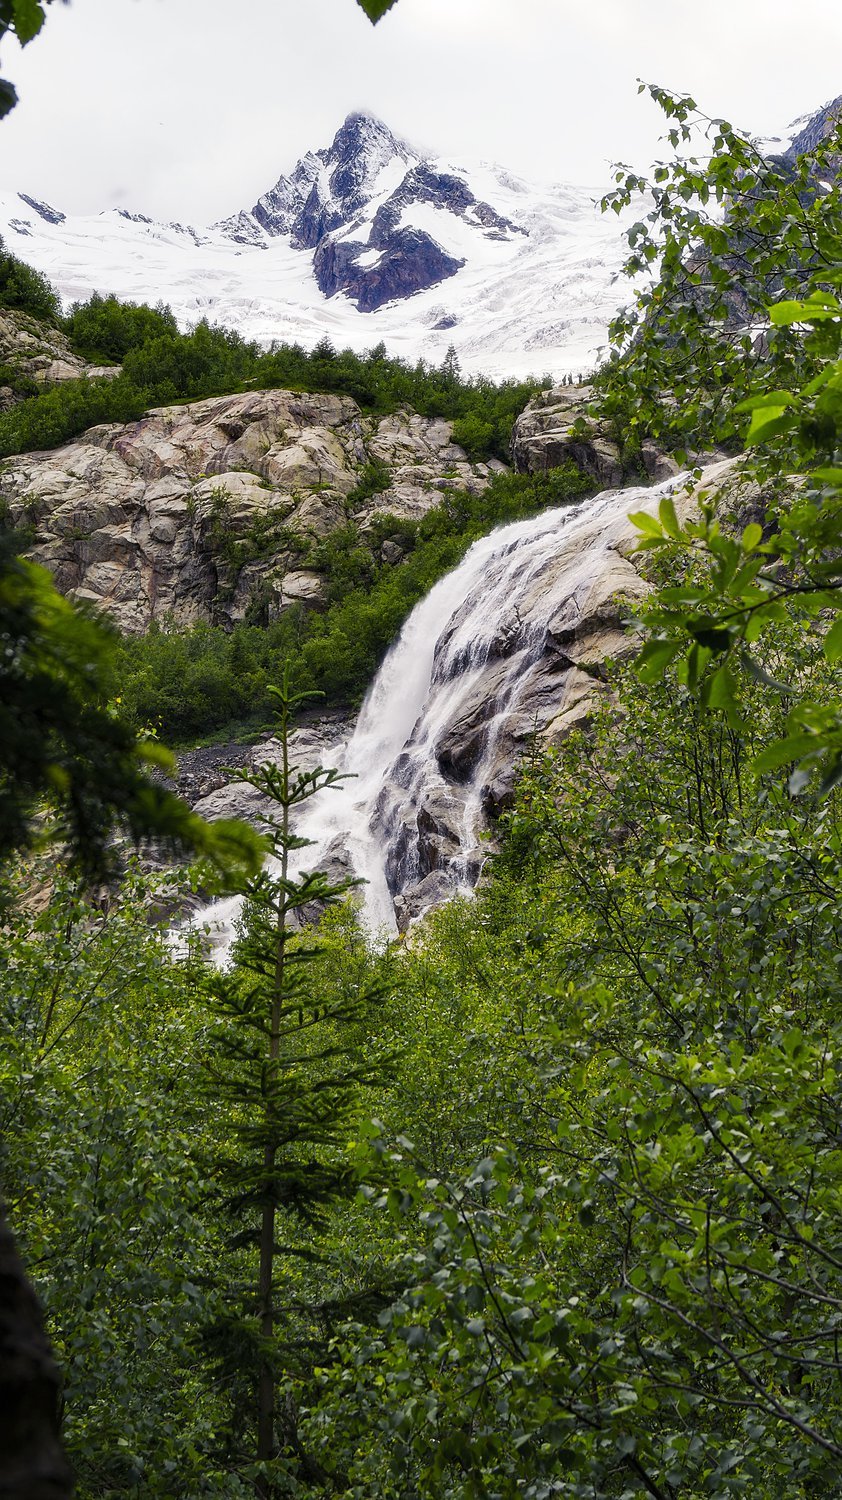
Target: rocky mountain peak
[(816, 128), (374, 224), (363, 205), (328, 188), (366, 143)]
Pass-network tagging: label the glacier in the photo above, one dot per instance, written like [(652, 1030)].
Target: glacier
[(538, 275)]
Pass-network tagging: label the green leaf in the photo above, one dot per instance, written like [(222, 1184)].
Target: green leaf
[(824, 377), (668, 517), (8, 97), (709, 634), (374, 9), (766, 423), (833, 642), (655, 657), (752, 535), (783, 751), (769, 398), (28, 19), (785, 313), (649, 525), (719, 689)]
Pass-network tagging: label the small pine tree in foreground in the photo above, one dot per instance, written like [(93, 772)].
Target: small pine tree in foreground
[(285, 1065)]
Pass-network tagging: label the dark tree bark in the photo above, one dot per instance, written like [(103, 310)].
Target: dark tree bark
[(32, 1462)]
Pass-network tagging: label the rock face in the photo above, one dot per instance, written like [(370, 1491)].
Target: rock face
[(200, 512), (373, 274), (36, 352), (815, 131), (328, 188), (555, 428)]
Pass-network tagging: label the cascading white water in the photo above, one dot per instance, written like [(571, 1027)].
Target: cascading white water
[(430, 728)]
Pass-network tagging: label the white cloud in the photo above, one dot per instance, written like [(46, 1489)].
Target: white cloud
[(168, 106)]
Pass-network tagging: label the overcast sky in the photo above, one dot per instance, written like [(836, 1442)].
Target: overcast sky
[(174, 108)]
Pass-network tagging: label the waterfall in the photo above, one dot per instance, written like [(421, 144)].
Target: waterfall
[(476, 667)]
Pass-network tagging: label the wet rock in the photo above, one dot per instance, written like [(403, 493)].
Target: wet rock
[(412, 904), (459, 746), (438, 826)]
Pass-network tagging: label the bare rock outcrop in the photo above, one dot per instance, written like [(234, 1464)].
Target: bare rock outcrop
[(556, 427), (196, 512), (31, 349)]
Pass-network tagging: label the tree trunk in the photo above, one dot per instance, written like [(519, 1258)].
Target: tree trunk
[(32, 1462), (266, 1380)]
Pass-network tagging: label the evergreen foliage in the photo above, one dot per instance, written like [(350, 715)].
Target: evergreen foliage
[(103, 328), (25, 289), (56, 415), (281, 1063)]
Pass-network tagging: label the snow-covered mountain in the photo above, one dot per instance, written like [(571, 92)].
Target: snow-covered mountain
[(804, 134), (366, 240)]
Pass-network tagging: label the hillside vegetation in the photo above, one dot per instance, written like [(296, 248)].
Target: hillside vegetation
[(191, 683), (161, 366), (606, 1148), (545, 1201)]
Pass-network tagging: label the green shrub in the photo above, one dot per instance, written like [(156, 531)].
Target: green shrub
[(25, 289), (22, 386), (375, 477), (54, 416), (105, 329), (474, 435), (207, 362)]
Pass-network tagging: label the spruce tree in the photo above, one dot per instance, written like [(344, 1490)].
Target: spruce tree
[(284, 1062)]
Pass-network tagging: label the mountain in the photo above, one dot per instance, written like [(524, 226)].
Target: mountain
[(803, 134), (365, 240)]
